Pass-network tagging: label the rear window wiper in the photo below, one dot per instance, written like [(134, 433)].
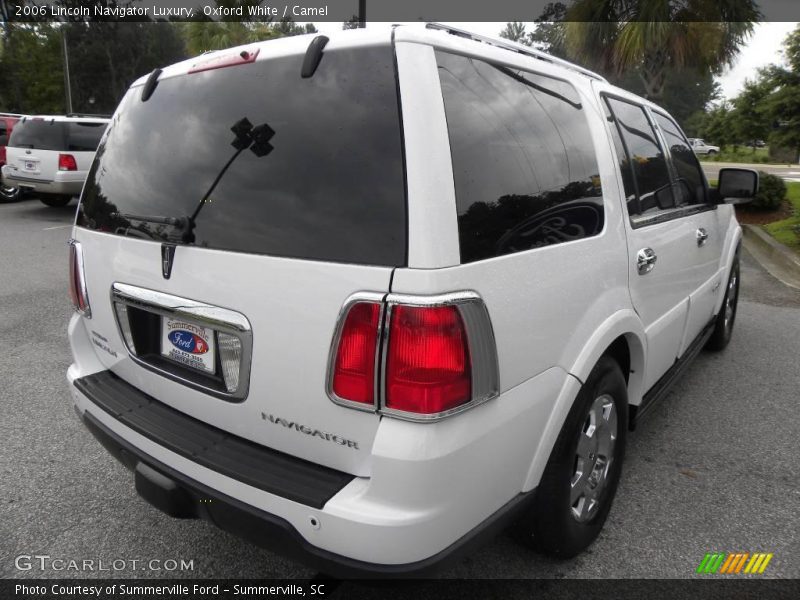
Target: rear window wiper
[(174, 221), (182, 225)]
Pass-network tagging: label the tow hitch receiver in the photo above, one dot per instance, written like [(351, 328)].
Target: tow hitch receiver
[(163, 493)]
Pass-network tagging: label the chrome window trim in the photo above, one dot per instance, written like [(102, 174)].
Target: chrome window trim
[(482, 345), (670, 214), (220, 319), (375, 298), (76, 245)]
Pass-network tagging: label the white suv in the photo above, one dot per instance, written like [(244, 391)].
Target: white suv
[(366, 300), (51, 155)]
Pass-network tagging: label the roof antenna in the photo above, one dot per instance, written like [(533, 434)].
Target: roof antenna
[(313, 56), (150, 85)]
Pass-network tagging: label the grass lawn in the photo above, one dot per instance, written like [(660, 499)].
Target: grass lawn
[(787, 231), (742, 154)]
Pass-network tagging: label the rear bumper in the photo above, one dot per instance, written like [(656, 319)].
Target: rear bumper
[(66, 182), (180, 496), (430, 488)]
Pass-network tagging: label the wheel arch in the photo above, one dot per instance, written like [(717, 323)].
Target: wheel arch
[(620, 336)]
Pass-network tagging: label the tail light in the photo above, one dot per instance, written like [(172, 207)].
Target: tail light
[(66, 162), (428, 365), (354, 365), (429, 358), (77, 280)]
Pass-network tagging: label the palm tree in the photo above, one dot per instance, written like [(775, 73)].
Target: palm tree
[(653, 35)]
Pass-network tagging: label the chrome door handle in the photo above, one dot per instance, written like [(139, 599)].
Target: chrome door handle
[(702, 236), (645, 260)]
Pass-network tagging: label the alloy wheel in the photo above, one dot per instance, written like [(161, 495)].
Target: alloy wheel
[(593, 458)]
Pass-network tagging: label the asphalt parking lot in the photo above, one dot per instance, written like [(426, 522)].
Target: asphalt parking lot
[(714, 468)]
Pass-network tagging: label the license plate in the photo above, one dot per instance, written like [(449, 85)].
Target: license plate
[(188, 344), (30, 165)]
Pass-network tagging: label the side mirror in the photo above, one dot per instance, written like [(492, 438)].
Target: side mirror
[(736, 186)]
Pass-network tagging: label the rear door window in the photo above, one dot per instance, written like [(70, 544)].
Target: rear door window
[(39, 134), (644, 156), (524, 164), (84, 137), (254, 158), (690, 185)]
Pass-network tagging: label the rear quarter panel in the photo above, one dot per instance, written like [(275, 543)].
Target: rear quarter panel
[(555, 306)]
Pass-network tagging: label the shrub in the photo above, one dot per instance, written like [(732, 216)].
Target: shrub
[(771, 192)]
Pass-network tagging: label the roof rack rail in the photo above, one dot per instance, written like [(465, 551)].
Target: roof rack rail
[(5, 114), (516, 47), (87, 115)]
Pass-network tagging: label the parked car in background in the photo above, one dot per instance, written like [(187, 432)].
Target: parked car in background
[(51, 155), (8, 193), (368, 340), (700, 147)]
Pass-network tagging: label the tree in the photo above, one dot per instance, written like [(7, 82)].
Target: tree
[(515, 31), (650, 36), (31, 75), (719, 126), (549, 34), (685, 92), (353, 23), (289, 27), (782, 105), (204, 36), (695, 124), (751, 120), (106, 57)]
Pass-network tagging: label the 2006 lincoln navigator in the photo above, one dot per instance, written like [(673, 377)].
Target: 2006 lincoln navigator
[(367, 299)]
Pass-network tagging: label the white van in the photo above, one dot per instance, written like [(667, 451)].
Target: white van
[(367, 299), (51, 155)]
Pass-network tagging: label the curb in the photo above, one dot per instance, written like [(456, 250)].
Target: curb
[(782, 263)]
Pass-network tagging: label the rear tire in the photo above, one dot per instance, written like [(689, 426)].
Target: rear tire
[(579, 482), (9, 194), (723, 327), (56, 200)]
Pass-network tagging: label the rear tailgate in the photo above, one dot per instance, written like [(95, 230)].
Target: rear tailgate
[(31, 163), (270, 196), (34, 146), (292, 307)]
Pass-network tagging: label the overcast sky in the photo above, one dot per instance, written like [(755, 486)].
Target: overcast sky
[(761, 49)]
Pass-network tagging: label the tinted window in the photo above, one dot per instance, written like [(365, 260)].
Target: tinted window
[(645, 157), (691, 186), (84, 137), (329, 184), (3, 134), (523, 161), (38, 134), (47, 134), (625, 166)]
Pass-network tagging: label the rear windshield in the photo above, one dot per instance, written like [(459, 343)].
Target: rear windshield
[(57, 135), (254, 158)]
